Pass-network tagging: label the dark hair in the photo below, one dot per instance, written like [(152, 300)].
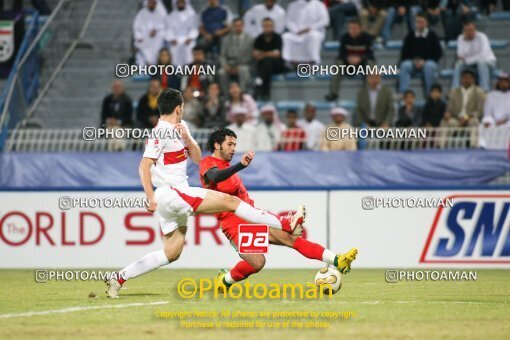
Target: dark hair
[(422, 15), (436, 87), (292, 112), (198, 48), (354, 21), (409, 92), (218, 136), (238, 19), (268, 19), (469, 22), (469, 71), (168, 100)]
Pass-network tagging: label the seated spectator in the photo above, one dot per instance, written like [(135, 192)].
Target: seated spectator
[(172, 81), (192, 108), (496, 111), (149, 34), (355, 49), (338, 117), (147, 113), (293, 138), (432, 10), (409, 115), (455, 13), (198, 80), (374, 103), (215, 22), (254, 17), (268, 55), (235, 57), (269, 129), (306, 23), (238, 98), (373, 17), (434, 108), (465, 103), (246, 136), (339, 10), (117, 108), (312, 127), (420, 54), (399, 12), (474, 51), (214, 109), (182, 32)]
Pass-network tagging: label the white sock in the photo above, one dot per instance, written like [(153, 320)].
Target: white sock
[(228, 278), (254, 215), (329, 257), (146, 264)]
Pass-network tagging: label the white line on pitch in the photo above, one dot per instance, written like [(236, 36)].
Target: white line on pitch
[(80, 308)]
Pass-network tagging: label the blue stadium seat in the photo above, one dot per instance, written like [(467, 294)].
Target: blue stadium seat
[(448, 73), (138, 77), (277, 77), (394, 44), (347, 104), (500, 16), (323, 106), (331, 45), (290, 104), (495, 44)]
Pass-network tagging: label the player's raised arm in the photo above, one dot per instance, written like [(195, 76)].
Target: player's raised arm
[(145, 177), (194, 151)]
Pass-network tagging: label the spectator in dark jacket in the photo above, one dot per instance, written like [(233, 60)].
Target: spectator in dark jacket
[(147, 112), (409, 115), (117, 107), (355, 49), (434, 108), (420, 54)]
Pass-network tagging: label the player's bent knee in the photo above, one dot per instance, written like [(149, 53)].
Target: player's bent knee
[(231, 202)]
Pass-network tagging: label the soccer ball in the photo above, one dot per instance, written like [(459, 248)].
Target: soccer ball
[(329, 280)]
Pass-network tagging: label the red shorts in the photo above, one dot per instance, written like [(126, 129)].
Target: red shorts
[(230, 227)]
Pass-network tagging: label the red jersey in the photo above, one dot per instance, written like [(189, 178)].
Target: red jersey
[(233, 185)]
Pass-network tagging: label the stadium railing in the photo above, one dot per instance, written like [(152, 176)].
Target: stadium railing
[(74, 140), (40, 62)]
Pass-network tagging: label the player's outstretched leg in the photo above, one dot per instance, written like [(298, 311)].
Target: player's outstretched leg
[(172, 249), (215, 202), (251, 264), (314, 250)]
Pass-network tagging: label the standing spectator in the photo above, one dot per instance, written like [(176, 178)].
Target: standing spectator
[(474, 51), (293, 138), (182, 32), (149, 33), (236, 57), (399, 12), (117, 109), (420, 54), (172, 81), (496, 111), (215, 23), (375, 103), (434, 108), (339, 10), (246, 137), (338, 117), (373, 17), (268, 55), (455, 13), (465, 103), (192, 108), (355, 49), (147, 113), (215, 110), (197, 80), (269, 129), (254, 17), (239, 99), (312, 127), (306, 23), (409, 115)]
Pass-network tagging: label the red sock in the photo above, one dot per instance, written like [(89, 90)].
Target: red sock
[(120, 279), (242, 270), (309, 249)]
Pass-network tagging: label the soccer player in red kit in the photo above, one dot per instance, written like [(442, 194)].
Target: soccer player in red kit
[(216, 173)]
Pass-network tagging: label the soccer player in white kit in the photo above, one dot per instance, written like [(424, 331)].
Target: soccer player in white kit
[(163, 166)]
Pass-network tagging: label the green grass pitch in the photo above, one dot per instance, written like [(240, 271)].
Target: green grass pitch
[(404, 310)]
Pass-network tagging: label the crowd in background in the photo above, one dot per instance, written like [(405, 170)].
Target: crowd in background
[(268, 39)]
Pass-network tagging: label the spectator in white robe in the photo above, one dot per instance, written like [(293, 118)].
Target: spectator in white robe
[(313, 127), (246, 136), (496, 111), (269, 130), (306, 22), (149, 33), (269, 9), (182, 32)]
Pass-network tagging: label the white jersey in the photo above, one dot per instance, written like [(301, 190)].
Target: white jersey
[(170, 153)]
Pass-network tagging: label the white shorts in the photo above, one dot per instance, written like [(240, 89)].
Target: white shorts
[(175, 204)]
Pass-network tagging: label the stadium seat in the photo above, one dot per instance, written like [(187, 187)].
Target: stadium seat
[(290, 105), (495, 44), (140, 78), (500, 16)]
